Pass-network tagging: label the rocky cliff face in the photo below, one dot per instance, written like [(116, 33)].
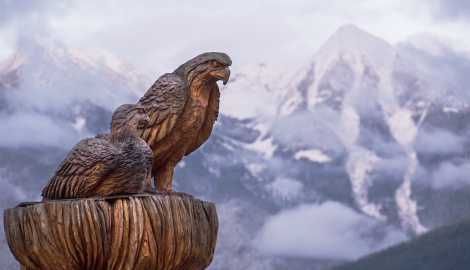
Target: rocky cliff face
[(316, 160)]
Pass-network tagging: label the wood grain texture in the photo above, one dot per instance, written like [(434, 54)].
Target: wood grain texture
[(120, 232)]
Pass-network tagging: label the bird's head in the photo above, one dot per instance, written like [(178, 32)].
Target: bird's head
[(127, 119), (210, 67)]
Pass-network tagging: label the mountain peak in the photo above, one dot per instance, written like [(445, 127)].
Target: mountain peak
[(90, 59), (352, 35), (55, 56), (350, 29), (356, 46)]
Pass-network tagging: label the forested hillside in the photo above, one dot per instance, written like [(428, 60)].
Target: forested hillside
[(447, 247)]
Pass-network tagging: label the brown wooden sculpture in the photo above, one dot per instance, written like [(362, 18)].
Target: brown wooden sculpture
[(86, 222), (182, 107), (139, 232), (115, 163)]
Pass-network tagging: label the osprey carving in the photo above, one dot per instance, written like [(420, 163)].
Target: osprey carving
[(182, 107)]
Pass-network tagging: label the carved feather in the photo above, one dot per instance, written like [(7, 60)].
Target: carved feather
[(211, 117), (86, 163), (112, 163), (164, 102)]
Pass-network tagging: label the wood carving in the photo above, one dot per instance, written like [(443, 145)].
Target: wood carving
[(182, 107), (85, 221), (114, 163), (171, 232)]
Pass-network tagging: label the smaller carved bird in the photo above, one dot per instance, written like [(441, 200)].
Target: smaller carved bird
[(112, 163)]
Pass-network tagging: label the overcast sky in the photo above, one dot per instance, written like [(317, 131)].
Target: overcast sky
[(156, 36)]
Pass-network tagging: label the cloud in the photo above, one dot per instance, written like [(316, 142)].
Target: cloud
[(21, 11), (446, 175), (450, 9), (158, 35), (173, 35), (32, 129), (450, 175), (29, 17), (330, 230), (391, 168), (310, 130), (445, 62), (23, 19), (285, 188), (438, 141)]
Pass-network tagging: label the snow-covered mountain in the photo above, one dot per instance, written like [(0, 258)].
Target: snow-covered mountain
[(374, 101), (312, 162), (38, 84)]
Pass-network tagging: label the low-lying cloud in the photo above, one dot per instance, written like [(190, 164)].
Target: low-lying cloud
[(444, 64), (451, 175), (438, 141), (330, 230), (32, 129)]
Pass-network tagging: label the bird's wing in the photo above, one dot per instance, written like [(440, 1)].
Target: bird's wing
[(148, 160), (211, 116), (83, 169), (164, 102)]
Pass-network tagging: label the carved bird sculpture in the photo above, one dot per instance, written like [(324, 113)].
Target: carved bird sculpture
[(112, 163), (182, 107)]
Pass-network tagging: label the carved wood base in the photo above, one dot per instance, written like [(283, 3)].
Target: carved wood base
[(120, 232)]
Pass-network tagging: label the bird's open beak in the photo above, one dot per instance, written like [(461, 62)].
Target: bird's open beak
[(222, 74)]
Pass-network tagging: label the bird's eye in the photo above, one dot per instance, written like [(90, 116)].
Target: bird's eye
[(216, 64), (140, 111)]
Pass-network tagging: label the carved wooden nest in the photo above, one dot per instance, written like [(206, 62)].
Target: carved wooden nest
[(120, 232)]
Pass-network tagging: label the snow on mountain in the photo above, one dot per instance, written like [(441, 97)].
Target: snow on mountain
[(31, 89), (313, 155), (360, 164), (266, 89), (49, 54), (351, 78), (375, 99), (350, 60)]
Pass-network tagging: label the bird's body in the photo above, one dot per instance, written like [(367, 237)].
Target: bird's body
[(108, 164), (182, 107)]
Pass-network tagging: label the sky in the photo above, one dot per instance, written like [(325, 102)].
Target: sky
[(157, 36)]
